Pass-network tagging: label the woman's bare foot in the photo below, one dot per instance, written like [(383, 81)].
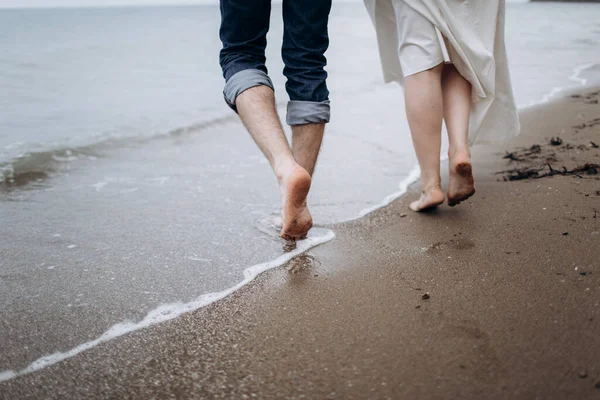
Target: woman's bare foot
[(297, 220), (461, 185), (430, 198)]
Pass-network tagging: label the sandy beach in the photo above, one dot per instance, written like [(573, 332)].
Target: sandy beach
[(496, 298)]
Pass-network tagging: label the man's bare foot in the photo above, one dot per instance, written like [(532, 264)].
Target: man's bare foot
[(430, 198), (297, 220), (461, 185)]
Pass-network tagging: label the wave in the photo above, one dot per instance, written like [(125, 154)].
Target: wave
[(576, 77), (412, 177), (168, 312), (35, 165)]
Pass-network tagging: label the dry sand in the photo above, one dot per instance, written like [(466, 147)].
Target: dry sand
[(496, 298)]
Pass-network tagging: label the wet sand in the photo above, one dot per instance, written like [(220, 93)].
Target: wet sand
[(496, 298)]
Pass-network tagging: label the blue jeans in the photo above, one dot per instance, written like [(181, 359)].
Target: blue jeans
[(244, 27)]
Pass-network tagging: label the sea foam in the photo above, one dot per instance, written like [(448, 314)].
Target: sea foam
[(168, 312)]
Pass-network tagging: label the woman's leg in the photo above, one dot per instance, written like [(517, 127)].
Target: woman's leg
[(424, 109), (457, 108)]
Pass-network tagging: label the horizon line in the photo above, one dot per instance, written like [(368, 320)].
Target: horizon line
[(164, 3)]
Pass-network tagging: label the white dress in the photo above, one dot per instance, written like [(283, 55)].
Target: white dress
[(471, 35)]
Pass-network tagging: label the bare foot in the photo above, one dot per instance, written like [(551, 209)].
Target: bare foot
[(430, 198), (297, 220), (461, 185)]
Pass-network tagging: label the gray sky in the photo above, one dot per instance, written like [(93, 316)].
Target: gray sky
[(90, 3), (72, 3)]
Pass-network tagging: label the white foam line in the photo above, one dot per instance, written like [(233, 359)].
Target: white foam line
[(167, 312), (574, 77), (550, 95), (98, 186), (577, 71), (412, 177)]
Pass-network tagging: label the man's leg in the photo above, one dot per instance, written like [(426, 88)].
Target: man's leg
[(249, 91), (305, 41), (306, 144), (256, 107)]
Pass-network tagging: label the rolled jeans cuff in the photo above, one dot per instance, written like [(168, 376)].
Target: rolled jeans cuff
[(242, 81), (308, 112)]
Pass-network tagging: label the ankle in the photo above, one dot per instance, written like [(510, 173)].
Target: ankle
[(431, 185), (284, 168), (459, 152)]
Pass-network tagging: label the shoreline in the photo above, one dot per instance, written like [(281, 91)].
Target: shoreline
[(167, 312), (363, 265), (557, 92)]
